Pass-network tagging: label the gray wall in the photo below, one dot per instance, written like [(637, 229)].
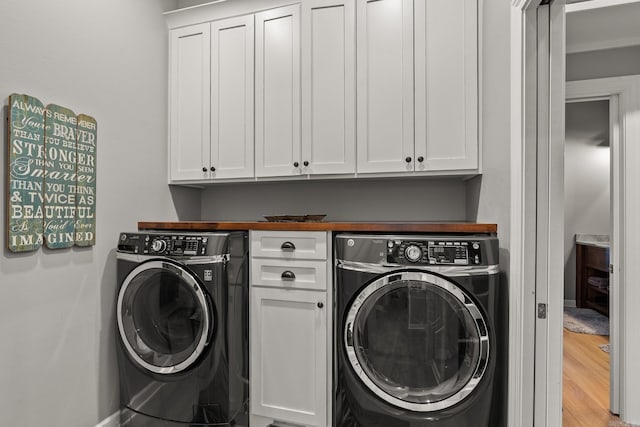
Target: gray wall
[(603, 63), (364, 200), (488, 196), (586, 179), (106, 58)]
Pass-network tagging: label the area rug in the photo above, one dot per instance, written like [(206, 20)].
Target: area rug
[(585, 321)]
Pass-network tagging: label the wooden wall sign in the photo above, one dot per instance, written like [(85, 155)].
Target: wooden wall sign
[(86, 139), (51, 187), (26, 172), (60, 179)]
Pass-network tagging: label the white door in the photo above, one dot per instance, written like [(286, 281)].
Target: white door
[(289, 355), (446, 45), (189, 120), (328, 87), (278, 92), (232, 46), (549, 276), (385, 85)]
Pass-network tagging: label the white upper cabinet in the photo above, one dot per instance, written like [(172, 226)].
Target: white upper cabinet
[(277, 100), (385, 85), (328, 87), (232, 55), (324, 87), (446, 46), (189, 122)]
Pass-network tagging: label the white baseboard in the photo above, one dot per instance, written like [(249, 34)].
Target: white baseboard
[(112, 420), (570, 303)]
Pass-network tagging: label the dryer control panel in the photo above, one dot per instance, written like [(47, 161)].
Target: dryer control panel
[(433, 252), (171, 245)]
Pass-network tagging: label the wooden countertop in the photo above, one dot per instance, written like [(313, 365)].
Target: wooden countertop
[(393, 227)]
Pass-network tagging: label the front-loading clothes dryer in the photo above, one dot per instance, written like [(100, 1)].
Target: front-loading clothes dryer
[(182, 329), (420, 332)]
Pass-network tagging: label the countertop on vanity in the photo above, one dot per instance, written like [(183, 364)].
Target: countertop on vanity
[(597, 240), (393, 227)]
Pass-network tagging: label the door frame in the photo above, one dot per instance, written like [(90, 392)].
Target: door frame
[(529, 283), (624, 97)]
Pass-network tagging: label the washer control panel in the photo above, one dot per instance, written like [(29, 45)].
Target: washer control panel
[(434, 252), (165, 245)]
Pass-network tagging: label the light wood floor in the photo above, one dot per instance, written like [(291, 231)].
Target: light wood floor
[(585, 382)]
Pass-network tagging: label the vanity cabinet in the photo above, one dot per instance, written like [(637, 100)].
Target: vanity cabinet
[(211, 101), (592, 277), (290, 321)]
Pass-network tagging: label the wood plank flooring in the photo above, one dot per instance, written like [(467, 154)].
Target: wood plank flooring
[(585, 382)]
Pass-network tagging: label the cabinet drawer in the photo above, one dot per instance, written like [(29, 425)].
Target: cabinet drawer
[(597, 258), (289, 244), (299, 274)]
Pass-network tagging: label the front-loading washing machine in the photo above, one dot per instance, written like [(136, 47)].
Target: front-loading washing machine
[(182, 329), (420, 331)]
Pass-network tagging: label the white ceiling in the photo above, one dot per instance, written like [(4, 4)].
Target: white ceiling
[(602, 24)]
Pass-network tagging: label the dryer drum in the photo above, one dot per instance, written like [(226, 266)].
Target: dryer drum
[(416, 340), (163, 317)]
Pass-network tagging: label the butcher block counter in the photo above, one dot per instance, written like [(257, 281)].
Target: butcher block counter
[(389, 227)]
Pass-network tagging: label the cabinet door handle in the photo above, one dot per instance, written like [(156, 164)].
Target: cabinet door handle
[(213, 169), (320, 304), (204, 169), (421, 159), (296, 164), (408, 159), (288, 275), (288, 246), (306, 163)]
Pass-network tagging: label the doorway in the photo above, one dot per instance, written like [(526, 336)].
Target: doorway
[(537, 218), (587, 236)]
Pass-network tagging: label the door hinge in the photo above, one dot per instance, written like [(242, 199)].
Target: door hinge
[(542, 310), (610, 268)]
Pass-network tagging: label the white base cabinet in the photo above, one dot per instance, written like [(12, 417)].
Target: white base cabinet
[(290, 335)]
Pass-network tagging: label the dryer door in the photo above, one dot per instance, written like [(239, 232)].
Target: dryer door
[(163, 316), (416, 340)]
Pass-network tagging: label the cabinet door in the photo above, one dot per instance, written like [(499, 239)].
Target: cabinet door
[(385, 85), (278, 92), (328, 86), (289, 355), (446, 84), (232, 98), (189, 102)]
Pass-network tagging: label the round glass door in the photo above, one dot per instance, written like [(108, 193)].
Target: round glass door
[(417, 341), (163, 317)]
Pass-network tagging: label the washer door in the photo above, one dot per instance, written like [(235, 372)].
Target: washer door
[(163, 317), (416, 340)]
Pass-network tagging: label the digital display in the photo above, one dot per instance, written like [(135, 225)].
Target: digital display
[(448, 254)]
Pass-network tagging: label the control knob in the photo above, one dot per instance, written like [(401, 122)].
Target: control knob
[(158, 245), (413, 253)]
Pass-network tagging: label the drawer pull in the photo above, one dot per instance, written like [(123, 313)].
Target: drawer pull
[(288, 275), (288, 246)]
